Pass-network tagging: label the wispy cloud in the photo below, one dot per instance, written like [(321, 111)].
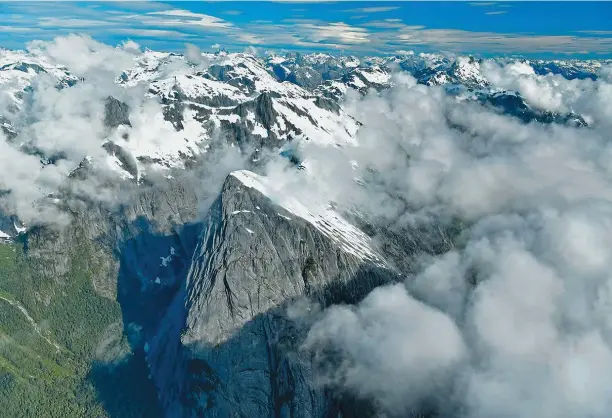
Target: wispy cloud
[(595, 32), (482, 3), (54, 22), (497, 12), (195, 19), (301, 1), (387, 24), (154, 33), (373, 9), (336, 32), (383, 25), (251, 39), (15, 29), (464, 41)]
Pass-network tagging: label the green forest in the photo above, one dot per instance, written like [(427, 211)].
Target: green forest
[(53, 333)]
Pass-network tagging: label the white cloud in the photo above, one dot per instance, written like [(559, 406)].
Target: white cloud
[(23, 176), (251, 50), (193, 19), (524, 299), (553, 92), (18, 29), (180, 13), (393, 332), (338, 32), (373, 9), (154, 33), (596, 32), (193, 53), (53, 22), (250, 39), (62, 122), (82, 55), (462, 40), (131, 46)]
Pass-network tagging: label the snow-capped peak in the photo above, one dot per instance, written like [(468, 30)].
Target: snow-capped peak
[(325, 219)]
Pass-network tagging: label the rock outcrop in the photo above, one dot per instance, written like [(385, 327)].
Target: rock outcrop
[(227, 346)]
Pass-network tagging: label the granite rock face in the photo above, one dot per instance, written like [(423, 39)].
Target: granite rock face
[(116, 113), (227, 345)]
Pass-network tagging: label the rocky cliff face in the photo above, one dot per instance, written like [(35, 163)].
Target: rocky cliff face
[(227, 345)]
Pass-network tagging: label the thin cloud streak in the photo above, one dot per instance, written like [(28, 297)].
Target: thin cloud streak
[(372, 9)]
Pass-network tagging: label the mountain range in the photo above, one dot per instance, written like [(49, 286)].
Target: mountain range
[(195, 252)]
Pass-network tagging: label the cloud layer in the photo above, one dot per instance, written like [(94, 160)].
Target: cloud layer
[(515, 320), (59, 123), (66, 128)]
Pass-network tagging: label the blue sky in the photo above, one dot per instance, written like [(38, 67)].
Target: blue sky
[(546, 29)]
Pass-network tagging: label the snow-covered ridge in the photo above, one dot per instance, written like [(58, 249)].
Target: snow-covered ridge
[(189, 102), (325, 219), (211, 96), (18, 69), (177, 106)]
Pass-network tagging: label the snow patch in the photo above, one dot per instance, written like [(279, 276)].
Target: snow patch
[(349, 238), (18, 228), (376, 76), (240, 211)]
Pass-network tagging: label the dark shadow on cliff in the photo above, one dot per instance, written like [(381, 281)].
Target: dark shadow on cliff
[(124, 389), (151, 292), (285, 355), (146, 287), (153, 266)]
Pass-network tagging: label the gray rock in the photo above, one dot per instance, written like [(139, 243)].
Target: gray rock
[(305, 77), (116, 113), (159, 208), (127, 160), (327, 104), (7, 128), (226, 346), (264, 110)]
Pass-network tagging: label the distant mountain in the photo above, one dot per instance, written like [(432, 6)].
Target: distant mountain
[(261, 102)]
